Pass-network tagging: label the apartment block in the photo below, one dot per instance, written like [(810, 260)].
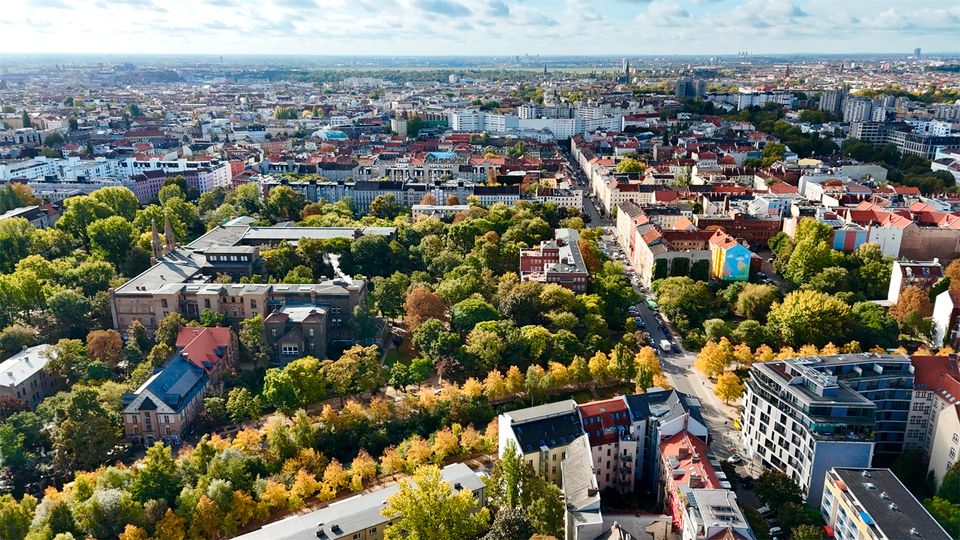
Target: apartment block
[(22, 375), (806, 415), (556, 261), (933, 427), (861, 502)]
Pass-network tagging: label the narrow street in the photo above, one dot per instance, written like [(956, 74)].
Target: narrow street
[(678, 367)]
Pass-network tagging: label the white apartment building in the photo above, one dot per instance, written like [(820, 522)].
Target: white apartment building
[(933, 426), (22, 375), (857, 110), (541, 435), (801, 421)]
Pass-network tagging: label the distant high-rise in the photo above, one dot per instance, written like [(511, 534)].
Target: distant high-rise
[(916, 53), (690, 88), (831, 101)]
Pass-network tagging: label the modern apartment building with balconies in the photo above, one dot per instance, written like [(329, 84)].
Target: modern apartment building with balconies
[(806, 415)]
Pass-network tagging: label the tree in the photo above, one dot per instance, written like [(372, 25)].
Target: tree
[(105, 346), (67, 360), (385, 207), (543, 501), (15, 517), (649, 370), (85, 431), (170, 191), (465, 315), (16, 235), (433, 340), (714, 357), (629, 165), (81, 211), (169, 328), (389, 293), (242, 405), (950, 485), (809, 317), (510, 524), (807, 532), (284, 204), (157, 478), (945, 512), (912, 300), (728, 386), (253, 344), (170, 527), (371, 255), (873, 326), (776, 489), (754, 301), (715, 329), (423, 304), (599, 368), (426, 508)]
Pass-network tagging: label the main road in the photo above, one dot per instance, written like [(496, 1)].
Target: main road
[(677, 366)]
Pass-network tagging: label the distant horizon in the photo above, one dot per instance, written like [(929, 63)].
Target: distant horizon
[(491, 56), (401, 28)]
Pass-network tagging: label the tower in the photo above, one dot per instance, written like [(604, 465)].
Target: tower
[(156, 248), (169, 240)]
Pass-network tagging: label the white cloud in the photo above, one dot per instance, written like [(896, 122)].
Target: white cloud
[(479, 26)]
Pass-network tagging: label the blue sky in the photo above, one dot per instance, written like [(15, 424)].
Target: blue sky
[(475, 27)]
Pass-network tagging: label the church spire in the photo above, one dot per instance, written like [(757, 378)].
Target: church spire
[(168, 238), (156, 248)]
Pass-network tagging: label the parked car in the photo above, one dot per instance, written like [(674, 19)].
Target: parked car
[(775, 531), (639, 322), (734, 459), (765, 510), (674, 347), (770, 260)]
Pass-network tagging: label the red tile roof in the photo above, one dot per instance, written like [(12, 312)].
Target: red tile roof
[(683, 447), (604, 420), (205, 347), (936, 374)]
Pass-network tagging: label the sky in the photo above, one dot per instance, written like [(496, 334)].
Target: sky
[(478, 27)]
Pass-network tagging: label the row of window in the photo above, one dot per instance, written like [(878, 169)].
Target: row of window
[(229, 258)]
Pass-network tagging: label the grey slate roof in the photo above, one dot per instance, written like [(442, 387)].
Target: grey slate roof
[(907, 513), (21, 366)]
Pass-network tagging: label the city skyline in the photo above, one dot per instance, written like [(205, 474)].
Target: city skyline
[(477, 27)]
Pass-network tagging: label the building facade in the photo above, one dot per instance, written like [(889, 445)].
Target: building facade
[(806, 415), (22, 375), (860, 502), (556, 261)]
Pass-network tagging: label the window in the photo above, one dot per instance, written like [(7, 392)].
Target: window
[(163, 302), (952, 453), (253, 304), (273, 332), (289, 349), (310, 332), (956, 438), (206, 303)]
